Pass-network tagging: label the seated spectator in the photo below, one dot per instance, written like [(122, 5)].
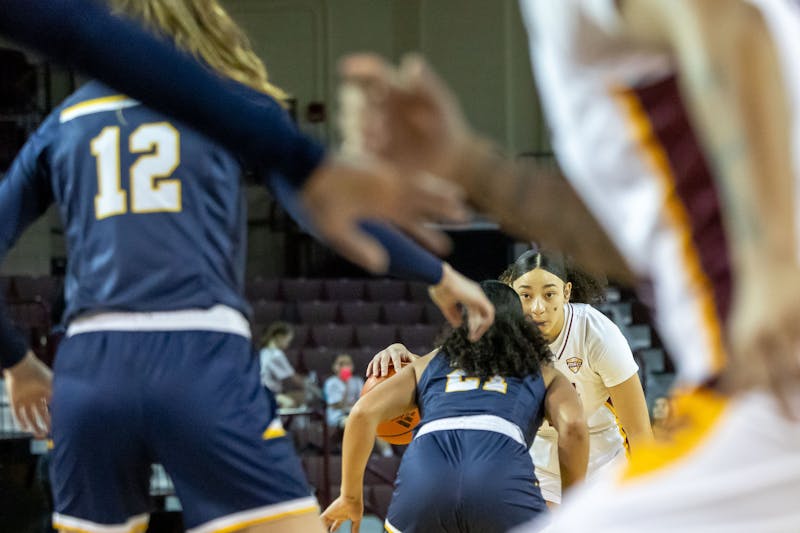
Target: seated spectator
[(277, 373), (341, 391), (661, 417)]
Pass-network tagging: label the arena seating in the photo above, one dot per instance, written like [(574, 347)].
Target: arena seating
[(333, 316)]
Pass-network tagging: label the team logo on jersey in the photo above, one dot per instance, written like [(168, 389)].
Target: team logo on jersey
[(574, 364)]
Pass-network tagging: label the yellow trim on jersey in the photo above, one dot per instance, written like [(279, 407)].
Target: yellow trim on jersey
[(264, 519), (139, 528), (621, 429), (657, 158), (274, 430), (389, 527), (696, 415), (94, 101)]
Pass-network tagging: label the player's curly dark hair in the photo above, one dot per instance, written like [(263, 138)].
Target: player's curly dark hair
[(512, 347), (586, 289)]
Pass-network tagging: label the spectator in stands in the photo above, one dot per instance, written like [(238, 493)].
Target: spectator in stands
[(660, 415), (342, 391), (277, 373)]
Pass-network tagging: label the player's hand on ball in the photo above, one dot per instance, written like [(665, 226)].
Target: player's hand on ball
[(341, 510), (394, 355)]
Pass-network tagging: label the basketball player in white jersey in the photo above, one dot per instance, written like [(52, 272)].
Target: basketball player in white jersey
[(588, 349), (592, 353), (699, 199)]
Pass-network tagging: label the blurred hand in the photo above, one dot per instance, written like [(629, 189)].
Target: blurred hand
[(30, 385), (455, 294), (404, 116), (342, 192), (764, 334), (343, 509), (395, 355)]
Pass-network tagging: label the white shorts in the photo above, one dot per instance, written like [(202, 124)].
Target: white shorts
[(733, 465), (550, 484)]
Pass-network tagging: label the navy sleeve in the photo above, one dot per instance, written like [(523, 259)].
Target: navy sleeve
[(407, 260), (25, 194), (87, 36)]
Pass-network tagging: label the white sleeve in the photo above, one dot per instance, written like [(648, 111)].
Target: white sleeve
[(280, 366), (611, 356), (604, 13)]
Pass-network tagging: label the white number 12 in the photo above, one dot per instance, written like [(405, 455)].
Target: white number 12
[(160, 144)]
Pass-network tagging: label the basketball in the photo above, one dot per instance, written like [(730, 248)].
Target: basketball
[(398, 430)]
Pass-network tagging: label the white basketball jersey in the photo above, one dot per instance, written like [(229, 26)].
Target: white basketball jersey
[(593, 355), (604, 101)]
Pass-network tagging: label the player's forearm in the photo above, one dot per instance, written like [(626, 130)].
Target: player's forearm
[(534, 203), (573, 453), (359, 438), (631, 409), (407, 259)]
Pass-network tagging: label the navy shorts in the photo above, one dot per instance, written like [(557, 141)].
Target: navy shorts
[(189, 400), (464, 481)]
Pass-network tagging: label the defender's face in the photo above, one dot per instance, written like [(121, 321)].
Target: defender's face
[(543, 296)]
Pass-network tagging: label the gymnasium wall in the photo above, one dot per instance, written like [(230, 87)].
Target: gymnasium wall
[(478, 46)]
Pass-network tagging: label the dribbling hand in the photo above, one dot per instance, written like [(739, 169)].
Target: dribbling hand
[(341, 510), (395, 354)]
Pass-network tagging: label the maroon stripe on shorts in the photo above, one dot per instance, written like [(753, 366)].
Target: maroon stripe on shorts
[(694, 184)]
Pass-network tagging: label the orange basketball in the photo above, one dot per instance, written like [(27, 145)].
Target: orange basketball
[(397, 430)]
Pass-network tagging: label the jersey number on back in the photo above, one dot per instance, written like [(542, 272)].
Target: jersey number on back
[(150, 190), (458, 382)]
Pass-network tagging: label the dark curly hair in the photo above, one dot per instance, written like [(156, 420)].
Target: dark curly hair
[(512, 347), (586, 289)]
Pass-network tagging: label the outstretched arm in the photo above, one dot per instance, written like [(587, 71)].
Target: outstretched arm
[(409, 117), (451, 291), (84, 34), (389, 399), (25, 194)]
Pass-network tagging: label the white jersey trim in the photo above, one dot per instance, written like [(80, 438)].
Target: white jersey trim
[(219, 318), (134, 524), (479, 422)]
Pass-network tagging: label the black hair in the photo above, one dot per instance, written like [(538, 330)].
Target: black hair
[(512, 347), (586, 289)]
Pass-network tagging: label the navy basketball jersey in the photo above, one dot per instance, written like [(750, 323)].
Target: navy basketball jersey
[(444, 392), (153, 210)]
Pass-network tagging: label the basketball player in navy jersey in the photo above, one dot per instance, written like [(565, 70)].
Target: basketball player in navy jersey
[(156, 364), (481, 403), (83, 34)]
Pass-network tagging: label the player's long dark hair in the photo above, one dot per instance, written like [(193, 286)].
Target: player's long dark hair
[(512, 347), (586, 289)]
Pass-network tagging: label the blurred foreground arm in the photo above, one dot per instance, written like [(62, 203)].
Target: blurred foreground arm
[(408, 117)]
